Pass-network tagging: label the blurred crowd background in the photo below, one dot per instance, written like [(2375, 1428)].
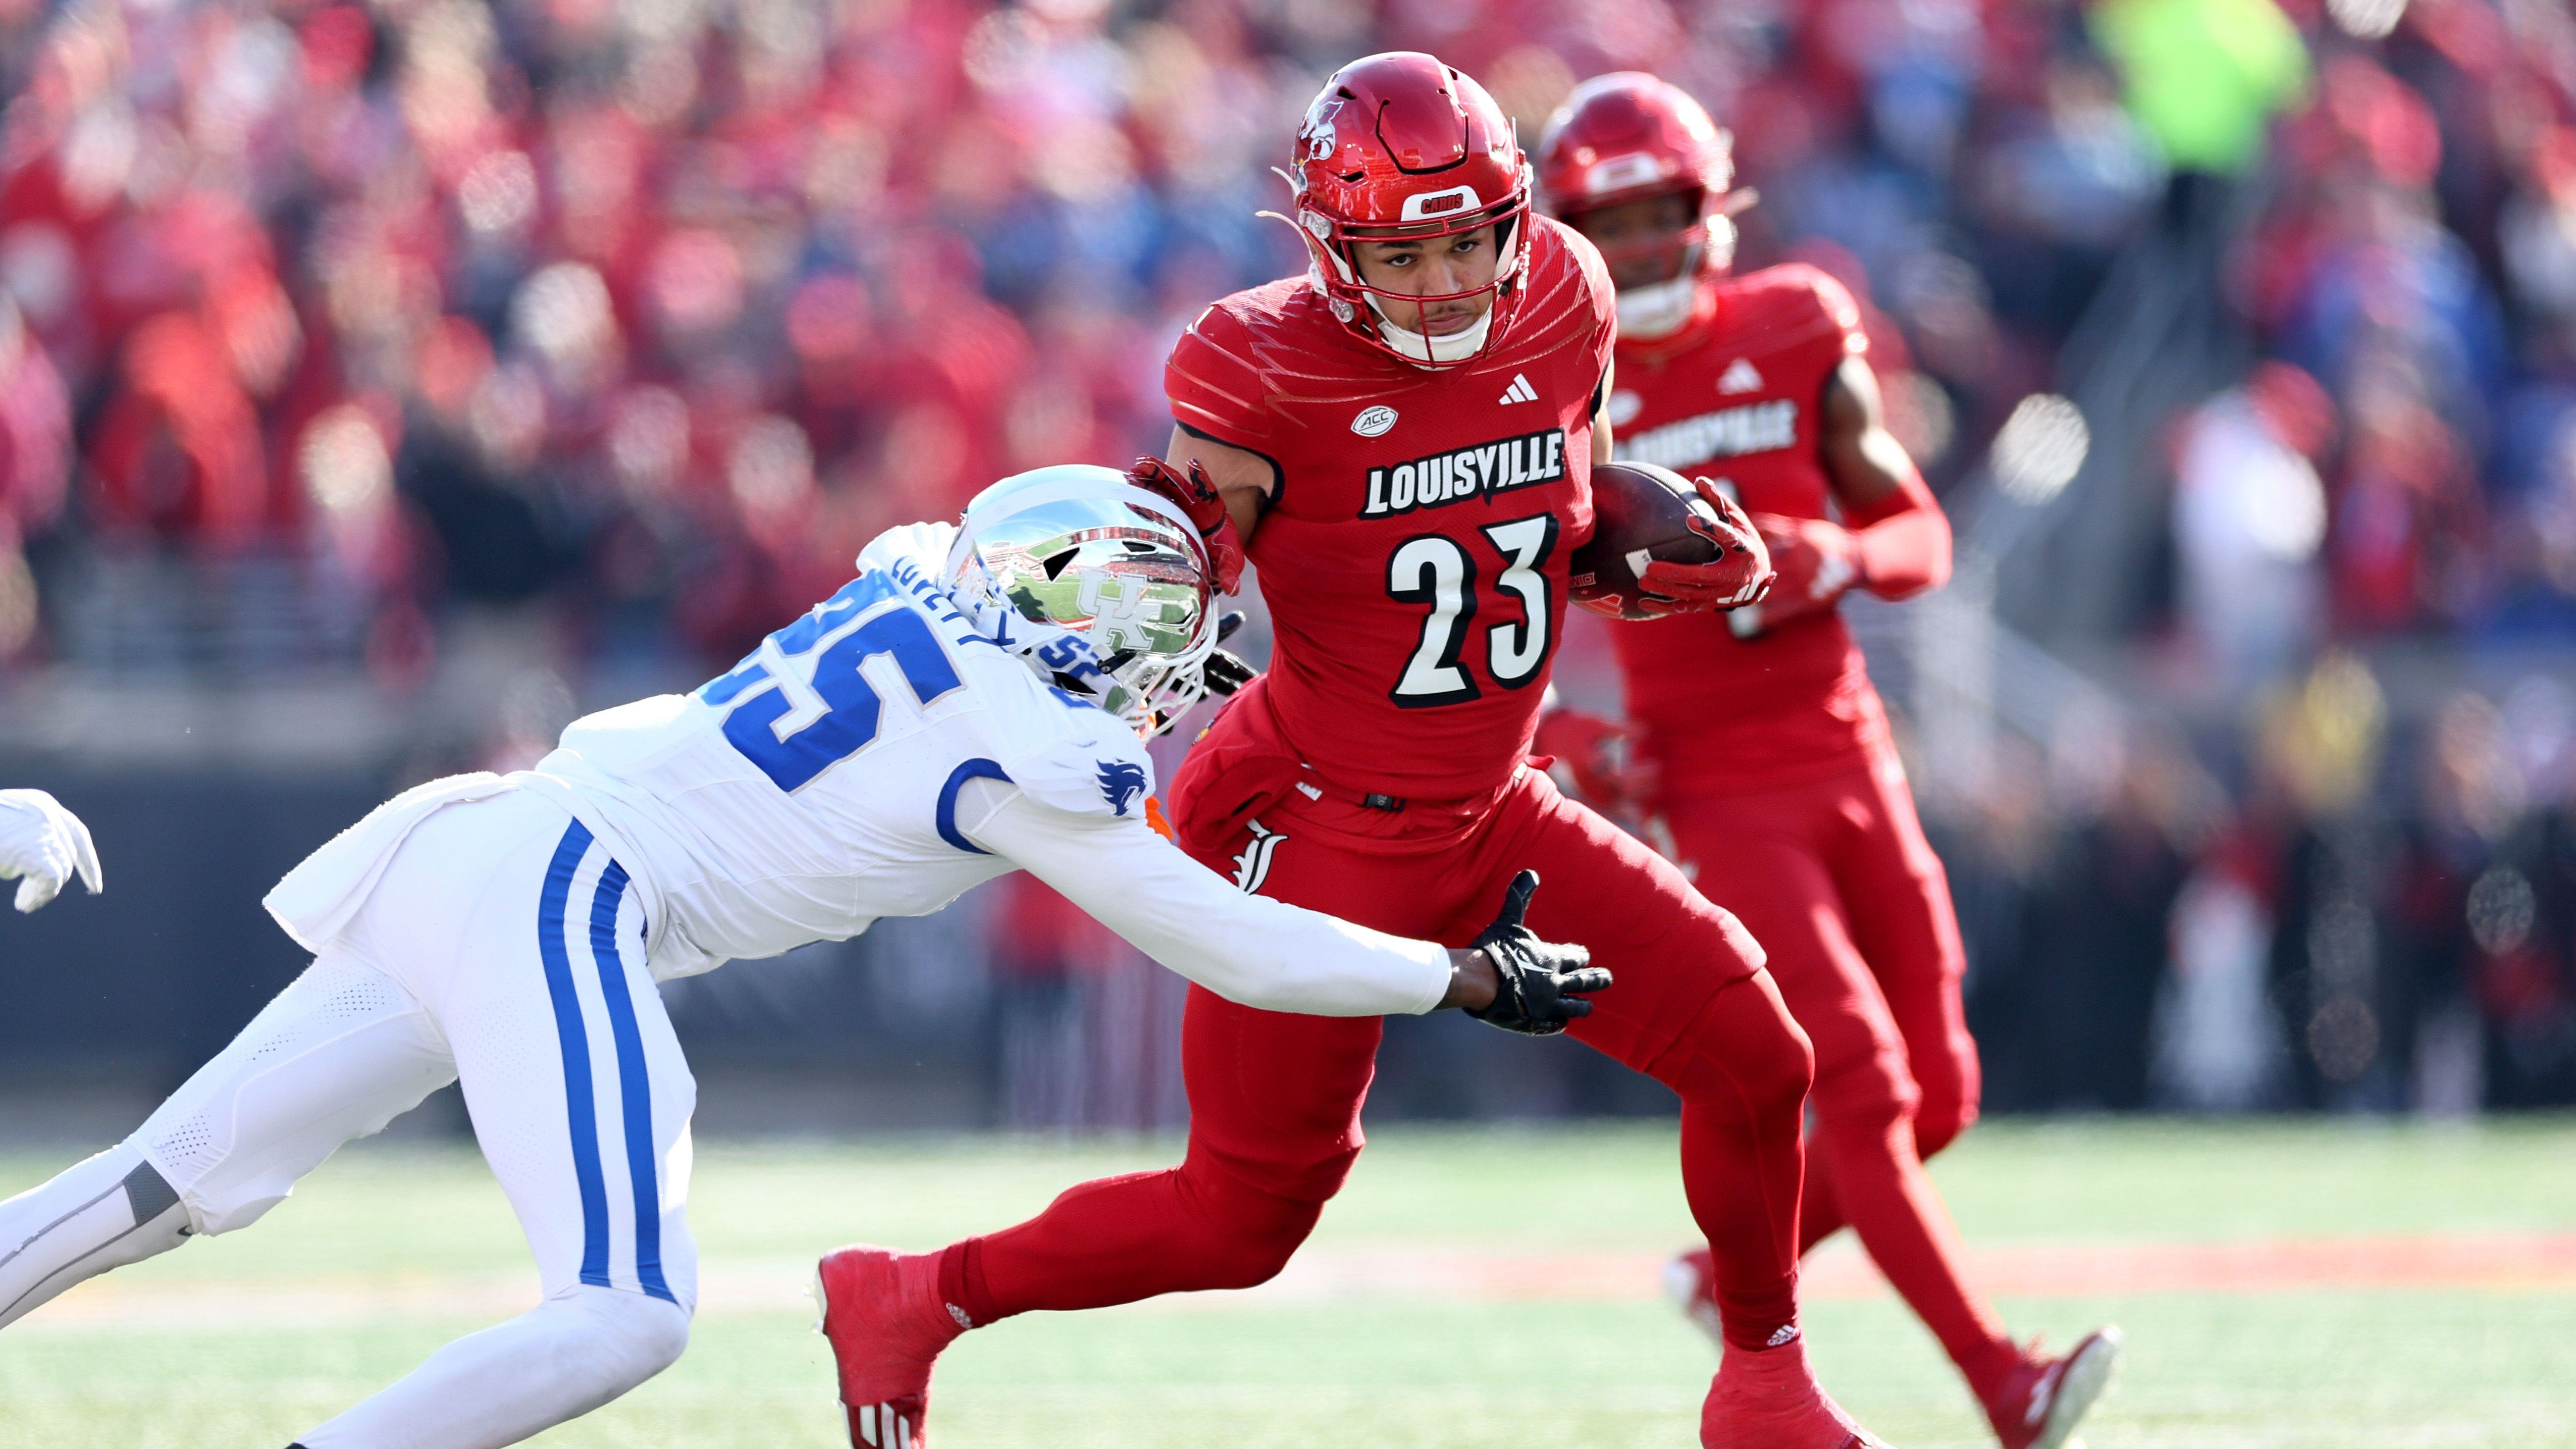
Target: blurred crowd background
[(382, 383)]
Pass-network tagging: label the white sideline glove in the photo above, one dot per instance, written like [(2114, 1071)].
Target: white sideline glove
[(43, 844)]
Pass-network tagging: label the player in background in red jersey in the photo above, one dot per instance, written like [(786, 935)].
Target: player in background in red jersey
[(1759, 741), (1403, 437)]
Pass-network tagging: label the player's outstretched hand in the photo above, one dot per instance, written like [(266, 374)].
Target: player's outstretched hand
[(1196, 496), (1740, 575), (1542, 985), (43, 845)]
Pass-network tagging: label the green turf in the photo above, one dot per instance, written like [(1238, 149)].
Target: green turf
[(2323, 1367)]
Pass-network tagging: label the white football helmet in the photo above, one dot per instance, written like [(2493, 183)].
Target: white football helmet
[(1102, 587)]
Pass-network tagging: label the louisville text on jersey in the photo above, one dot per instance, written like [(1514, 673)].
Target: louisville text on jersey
[(1726, 433), (1474, 472)]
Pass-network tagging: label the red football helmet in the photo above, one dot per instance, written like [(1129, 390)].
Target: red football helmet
[(1628, 136), (1399, 147)]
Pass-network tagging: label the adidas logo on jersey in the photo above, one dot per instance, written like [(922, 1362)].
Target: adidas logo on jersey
[(1477, 472), (1739, 377), (1520, 391)]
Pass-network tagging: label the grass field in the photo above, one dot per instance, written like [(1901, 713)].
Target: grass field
[(2283, 1285)]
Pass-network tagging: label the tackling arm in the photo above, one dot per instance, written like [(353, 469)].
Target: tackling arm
[(1274, 956), (1245, 948)]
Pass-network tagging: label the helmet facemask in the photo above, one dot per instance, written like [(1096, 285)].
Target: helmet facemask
[(1334, 270), (1095, 585)]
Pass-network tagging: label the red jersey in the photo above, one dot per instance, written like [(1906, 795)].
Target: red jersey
[(1414, 556), (1737, 396)]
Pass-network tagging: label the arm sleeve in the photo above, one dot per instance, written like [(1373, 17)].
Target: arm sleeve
[(1903, 541), (1246, 948)]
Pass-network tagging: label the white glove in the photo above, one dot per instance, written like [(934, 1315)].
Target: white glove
[(43, 843)]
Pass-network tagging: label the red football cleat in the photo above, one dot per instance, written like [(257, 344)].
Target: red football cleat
[(1769, 1399), (887, 1323), (2041, 1401)]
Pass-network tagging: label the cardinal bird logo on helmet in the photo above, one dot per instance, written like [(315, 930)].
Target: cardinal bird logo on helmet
[(1317, 135)]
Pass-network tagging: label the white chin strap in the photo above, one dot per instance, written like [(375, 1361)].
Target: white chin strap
[(1664, 308), (1456, 347), (1647, 313)]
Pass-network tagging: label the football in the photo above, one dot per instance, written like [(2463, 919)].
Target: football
[(1640, 512)]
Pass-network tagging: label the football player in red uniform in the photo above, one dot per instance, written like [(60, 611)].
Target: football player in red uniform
[(1404, 438), (1767, 749)]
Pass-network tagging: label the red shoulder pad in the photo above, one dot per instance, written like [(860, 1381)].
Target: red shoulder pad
[(1603, 294), (1214, 385), (1567, 283), (1834, 300)]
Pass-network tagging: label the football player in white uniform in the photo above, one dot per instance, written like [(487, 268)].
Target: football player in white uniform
[(42, 846), (972, 703)]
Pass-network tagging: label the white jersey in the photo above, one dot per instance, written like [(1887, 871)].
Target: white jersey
[(878, 757), (816, 787)]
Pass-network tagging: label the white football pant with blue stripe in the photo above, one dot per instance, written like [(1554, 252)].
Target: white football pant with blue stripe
[(502, 947), (875, 758)]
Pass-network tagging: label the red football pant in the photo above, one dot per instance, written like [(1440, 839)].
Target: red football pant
[(1836, 881), (1275, 1099)]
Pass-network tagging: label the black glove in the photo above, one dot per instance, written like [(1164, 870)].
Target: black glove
[(1542, 984), (1224, 671)]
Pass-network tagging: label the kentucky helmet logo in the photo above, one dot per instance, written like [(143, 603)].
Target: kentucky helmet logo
[(1120, 784), (1122, 609)]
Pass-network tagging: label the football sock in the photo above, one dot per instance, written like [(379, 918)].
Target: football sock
[(961, 1281), (1880, 1183), (558, 1361), (1820, 1212), (104, 1213), (1741, 1069)]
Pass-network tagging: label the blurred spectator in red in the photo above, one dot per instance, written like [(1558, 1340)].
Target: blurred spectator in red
[(2409, 522)]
